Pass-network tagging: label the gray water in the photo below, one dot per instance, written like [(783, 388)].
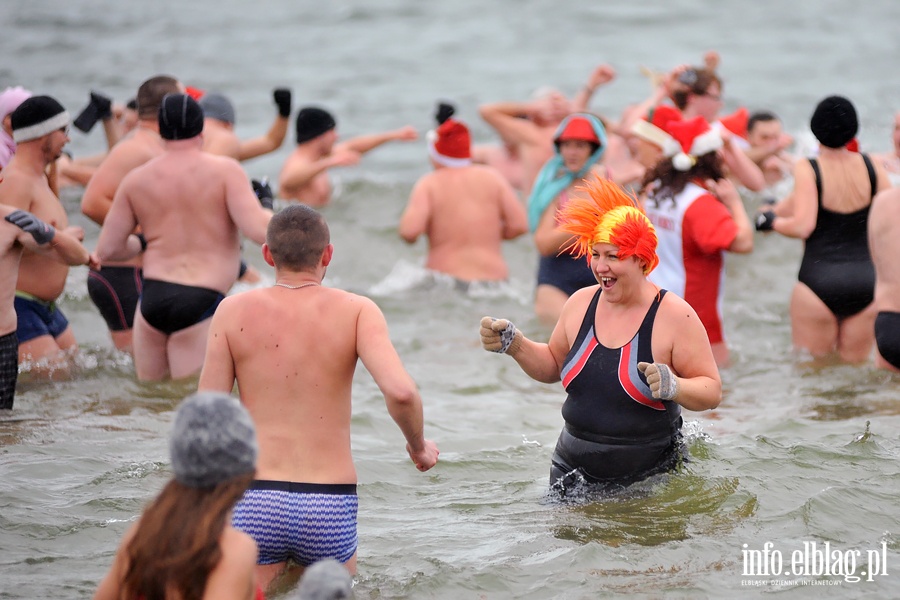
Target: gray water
[(797, 453)]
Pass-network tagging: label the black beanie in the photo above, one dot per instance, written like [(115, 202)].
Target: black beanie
[(834, 122), (180, 117), (36, 117), (312, 122)]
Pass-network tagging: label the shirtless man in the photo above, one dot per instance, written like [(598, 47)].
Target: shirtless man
[(768, 145), (465, 210), (304, 176), (21, 230), (116, 287), (218, 127), (39, 127), (891, 160), (296, 382), (532, 135), (191, 206), (884, 244)]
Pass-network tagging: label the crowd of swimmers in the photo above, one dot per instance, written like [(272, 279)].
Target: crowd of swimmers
[(631, 219)]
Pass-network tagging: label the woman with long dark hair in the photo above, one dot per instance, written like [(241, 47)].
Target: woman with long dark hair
[(184, 547)]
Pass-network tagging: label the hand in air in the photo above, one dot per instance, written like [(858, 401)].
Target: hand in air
[(601, 76), (499, 335), (263, 191), (27, 222), (282, 98), (662, 381), (407, 133)]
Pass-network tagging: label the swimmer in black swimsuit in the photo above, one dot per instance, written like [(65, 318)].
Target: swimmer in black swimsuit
[(639, 356), (831, 305)]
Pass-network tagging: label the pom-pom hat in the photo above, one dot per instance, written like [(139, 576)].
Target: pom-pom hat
[(213, 440), (450, 144), (36, 117), (696, 138)]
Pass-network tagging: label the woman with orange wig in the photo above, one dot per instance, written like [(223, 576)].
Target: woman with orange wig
[(629, 354)]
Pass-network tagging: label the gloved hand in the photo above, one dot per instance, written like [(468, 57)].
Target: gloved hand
[(27, 222), (99, 108), (444, 112), (499, 335), (282, 98), (661, 380), (264, 192), (765, 221)]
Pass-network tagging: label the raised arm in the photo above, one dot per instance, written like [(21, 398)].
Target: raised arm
[(506, 119), (401, 395), (740, 165), (43, 238), (365, 143), (542, 362), (298, 172), (274, 137), (600, 76)]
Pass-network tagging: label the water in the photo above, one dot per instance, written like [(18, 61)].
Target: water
[(797, 453)]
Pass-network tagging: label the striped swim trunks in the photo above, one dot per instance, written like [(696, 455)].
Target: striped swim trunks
[(304, 522)]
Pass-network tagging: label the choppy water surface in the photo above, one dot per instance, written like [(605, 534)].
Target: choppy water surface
[(797, 453)]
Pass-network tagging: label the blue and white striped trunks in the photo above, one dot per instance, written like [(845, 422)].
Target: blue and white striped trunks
[(304, 522)]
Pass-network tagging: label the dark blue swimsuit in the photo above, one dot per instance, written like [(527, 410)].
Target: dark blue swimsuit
[(615, 430)]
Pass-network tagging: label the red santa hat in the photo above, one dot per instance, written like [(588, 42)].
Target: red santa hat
[(450, 144), (653, 128), (737, 122), (696, 138)]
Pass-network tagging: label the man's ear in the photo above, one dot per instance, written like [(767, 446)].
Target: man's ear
[(267, 255), (327, 254)]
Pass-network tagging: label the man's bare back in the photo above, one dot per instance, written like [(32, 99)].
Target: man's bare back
[(466, 213)]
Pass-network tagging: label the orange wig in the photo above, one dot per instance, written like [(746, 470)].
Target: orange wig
[(609, 215)]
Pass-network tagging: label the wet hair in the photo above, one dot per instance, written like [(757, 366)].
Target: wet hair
[(150, 95), (296, 237), (176, 544), (672, 181), (762, 116), (694, 81)]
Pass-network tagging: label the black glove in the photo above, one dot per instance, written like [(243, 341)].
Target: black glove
[(283, 100), (765, 220), (264, 192), (444, 112), (100, 107), (27, 222)]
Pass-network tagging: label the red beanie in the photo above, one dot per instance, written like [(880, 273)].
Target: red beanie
[(450, 144)]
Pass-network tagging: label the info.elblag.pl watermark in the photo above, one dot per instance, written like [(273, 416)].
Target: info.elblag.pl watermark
[(815, 563)]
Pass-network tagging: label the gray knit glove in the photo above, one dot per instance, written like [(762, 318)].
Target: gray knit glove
[(27, 222), (661, 380), (499, 335)]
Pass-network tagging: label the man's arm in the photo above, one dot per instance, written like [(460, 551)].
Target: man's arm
[(298, 172), (515, 219), (365, 143), (600, 76), (414, 221), (506, 119), (218, 365), (243, 205), (401, 395), (39, 237), (273, 138), (101, 189), (116, 242)]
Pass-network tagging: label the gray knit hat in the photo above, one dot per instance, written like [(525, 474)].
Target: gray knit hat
[(213, 440), (217, 106), (326, 579)]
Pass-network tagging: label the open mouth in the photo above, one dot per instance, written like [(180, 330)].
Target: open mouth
[(607, 282)]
